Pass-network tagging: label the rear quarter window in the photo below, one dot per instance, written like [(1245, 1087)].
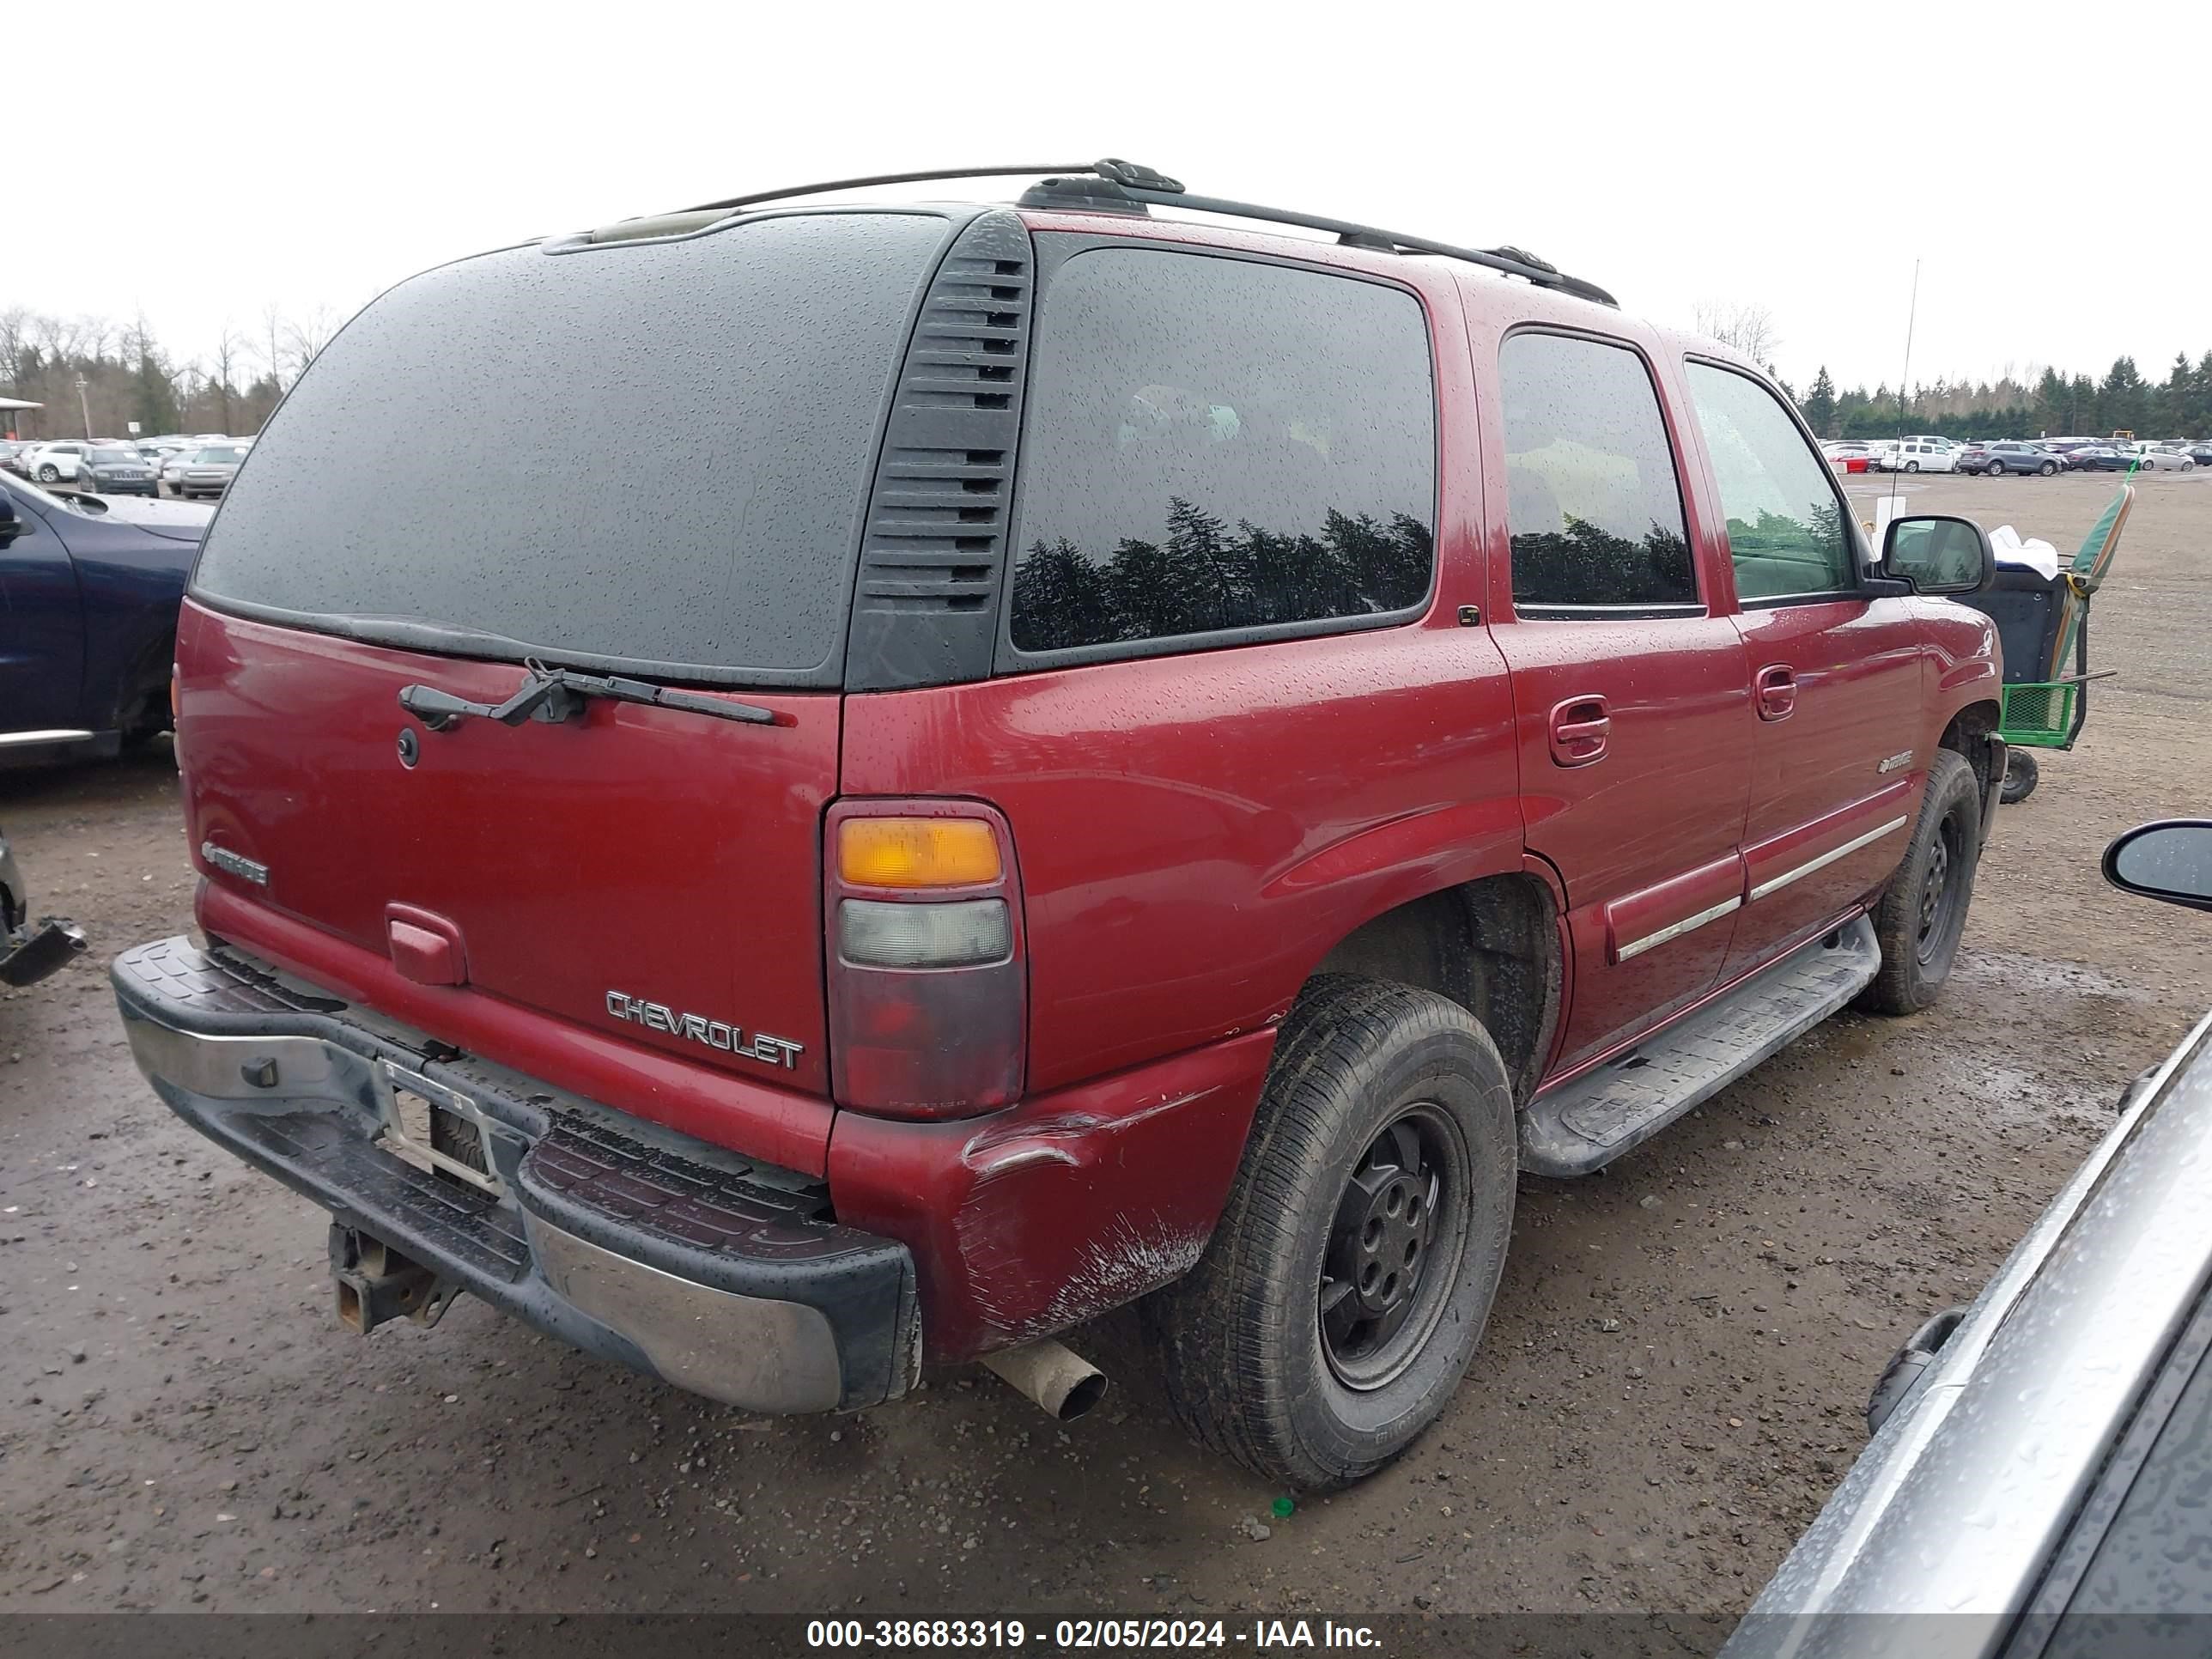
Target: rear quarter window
[(650, 456), (1215, 449)]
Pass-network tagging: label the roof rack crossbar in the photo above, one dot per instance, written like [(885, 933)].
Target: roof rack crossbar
[(1141, 185)]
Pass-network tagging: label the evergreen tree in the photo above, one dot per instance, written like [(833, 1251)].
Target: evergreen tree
[(1819, 405), (2123, 404)]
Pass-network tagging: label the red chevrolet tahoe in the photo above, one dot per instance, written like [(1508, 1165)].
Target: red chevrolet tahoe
[(917, 772)]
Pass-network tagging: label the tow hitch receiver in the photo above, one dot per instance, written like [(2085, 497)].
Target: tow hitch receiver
[(376, 1283)]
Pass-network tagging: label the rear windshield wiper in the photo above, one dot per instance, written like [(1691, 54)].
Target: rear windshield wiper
[(555, 694)]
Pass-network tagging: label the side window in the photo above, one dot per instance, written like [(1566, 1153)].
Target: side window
[(1593, 504), (1785, 523), (1212, 444)]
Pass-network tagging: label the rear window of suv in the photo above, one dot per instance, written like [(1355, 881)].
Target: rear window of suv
[(650, 455), (1220, 447)]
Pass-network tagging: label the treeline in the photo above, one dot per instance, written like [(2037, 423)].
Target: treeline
[(89, 371), (1205, 577), (2052, 405)]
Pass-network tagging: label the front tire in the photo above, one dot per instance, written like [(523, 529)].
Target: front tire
[(1346, 1288), (2048, 468), (1922, 912)]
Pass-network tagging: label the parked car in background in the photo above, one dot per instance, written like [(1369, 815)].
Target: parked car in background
[(12, 451), (89, 586), (2200, 453), (1395, 911), (2063, 446), (56, 461), (1847, 456), (2162, 459), (1920, 455), (2008, 455), (207, 472), (2037, 1481), (29, 951), (115, 470), (2100, 458)]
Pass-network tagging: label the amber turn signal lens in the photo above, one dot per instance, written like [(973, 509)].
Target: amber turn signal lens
[(917, 852), (173, 699)]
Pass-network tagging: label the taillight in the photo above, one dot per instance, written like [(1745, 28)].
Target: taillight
[(928, 983)]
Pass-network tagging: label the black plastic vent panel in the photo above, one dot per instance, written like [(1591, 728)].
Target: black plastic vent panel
[(928, 606)]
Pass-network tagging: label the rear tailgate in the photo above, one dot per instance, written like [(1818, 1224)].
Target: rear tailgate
[(648, 873)]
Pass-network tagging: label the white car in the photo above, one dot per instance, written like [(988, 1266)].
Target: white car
[(55, 462), (2163, 460), (1920, 455)]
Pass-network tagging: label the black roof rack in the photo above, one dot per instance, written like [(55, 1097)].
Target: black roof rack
[(1127, 187)]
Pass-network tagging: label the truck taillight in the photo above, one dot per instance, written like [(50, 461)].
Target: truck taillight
[(928, 978)]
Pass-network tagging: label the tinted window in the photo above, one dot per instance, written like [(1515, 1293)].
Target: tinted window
[(1785, 524), (1593, 504), (652, 453), (113, 457), (1213, 443)]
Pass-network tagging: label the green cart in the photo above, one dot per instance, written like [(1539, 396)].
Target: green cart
[(2044, 626)]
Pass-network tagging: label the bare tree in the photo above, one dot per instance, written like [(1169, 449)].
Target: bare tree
[(230, 350), (1749, 328), (307, 338), (273, 322)]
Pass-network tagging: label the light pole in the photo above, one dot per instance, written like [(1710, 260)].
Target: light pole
[(82, 407)]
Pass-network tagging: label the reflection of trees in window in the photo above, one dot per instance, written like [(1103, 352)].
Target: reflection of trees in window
[(1584, 564), (1204, 578), (1811, 552)]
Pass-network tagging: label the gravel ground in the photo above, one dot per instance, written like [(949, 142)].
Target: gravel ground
[(1670, 1387)]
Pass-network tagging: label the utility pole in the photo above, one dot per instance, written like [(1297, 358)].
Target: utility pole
[(82, 407)]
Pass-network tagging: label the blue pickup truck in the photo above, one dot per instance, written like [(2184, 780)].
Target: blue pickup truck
[(90, 587)]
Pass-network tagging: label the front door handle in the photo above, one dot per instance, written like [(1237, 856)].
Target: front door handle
[(1580, 729), (1777, 692)]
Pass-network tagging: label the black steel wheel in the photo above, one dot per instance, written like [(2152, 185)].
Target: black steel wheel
[(1346, 1287), (1402, 1207), (1922, 914)]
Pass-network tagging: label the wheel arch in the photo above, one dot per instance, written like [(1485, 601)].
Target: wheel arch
[(1490, 945)]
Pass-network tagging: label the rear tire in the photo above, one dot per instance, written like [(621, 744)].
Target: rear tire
[(1995, 469), (1913, 466), (1922, 912), (1384, 1149), (2021, 776)]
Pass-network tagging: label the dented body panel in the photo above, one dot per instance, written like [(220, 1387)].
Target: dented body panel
[(1074, 1202)]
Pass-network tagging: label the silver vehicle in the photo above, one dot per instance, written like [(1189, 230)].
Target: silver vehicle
[(209, 470), (2040, 1478), (2156, 459)]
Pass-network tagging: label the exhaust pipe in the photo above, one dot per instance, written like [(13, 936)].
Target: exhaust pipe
[(1064, 1385)]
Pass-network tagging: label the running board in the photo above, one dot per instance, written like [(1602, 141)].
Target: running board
[(1584, 1124)]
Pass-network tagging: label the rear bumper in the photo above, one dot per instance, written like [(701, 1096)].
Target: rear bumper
[(679, 1259)]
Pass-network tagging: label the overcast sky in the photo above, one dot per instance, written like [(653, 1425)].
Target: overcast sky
[(1795, 157)]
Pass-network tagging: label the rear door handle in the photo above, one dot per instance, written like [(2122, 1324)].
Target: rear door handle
[(1580, 729), (1777, 692)]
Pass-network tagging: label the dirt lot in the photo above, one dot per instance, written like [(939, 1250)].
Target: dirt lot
[(1671, 1385)]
